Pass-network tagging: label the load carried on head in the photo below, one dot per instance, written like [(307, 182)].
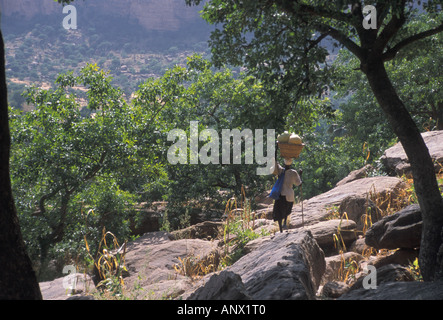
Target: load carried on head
[(290, 145)]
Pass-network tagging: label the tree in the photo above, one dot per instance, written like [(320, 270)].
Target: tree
[(63, 152), (280, 41), (217, 99), (17, 279), (415, 78)]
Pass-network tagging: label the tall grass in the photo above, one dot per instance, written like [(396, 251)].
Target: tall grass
[(109, 263), (238, 230), (386, 203)]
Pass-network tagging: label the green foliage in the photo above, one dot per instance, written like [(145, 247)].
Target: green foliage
[(415, 78), (218, 100), (66, 158), (82, 159)]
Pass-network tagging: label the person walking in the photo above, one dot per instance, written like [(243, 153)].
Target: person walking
[(283, 204)]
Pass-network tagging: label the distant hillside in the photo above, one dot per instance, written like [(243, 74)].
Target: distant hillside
[(163, 15), (132, 39)]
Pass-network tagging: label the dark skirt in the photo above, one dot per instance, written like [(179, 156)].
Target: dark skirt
[(282, 208)]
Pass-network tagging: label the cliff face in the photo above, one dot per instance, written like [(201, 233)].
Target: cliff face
[(164, 15), (29, 8)]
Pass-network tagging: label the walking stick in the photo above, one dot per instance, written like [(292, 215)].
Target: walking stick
[(301, 196)]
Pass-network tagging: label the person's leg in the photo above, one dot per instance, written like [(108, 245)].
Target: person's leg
[(288, 212), (280, 226)]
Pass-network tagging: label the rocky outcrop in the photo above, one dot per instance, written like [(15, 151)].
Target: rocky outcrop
[(328, 232), (334, 289), (396, 162), (286, 266), (400, 230), (300, 263), (64, 288)]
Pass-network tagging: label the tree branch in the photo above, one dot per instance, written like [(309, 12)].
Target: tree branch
[(392, 52), (313, 43), (390, 30), (341, 38), (321, 12)]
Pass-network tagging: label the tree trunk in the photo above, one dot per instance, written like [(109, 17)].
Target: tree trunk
[(17, 278), (425, 182), (439, 116)]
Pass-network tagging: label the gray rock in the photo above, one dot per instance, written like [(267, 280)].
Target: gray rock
[(396, 162), (413, 290), (203, 230), (355, 175), (151, 264), (57, 288), (318, 208), (385, 274), (400, 230), (402, 257), (223, 286), (359, 208), (359, 246), (334, 263), (288, 265), (334, 289), (323, 232)]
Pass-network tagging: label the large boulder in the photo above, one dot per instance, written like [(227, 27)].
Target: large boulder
[(396, 162), (287, 265), (400, 230), (318, 208), (323, 232), (202, 230), (152, 260), (225, 285), (384, 274), (335, 265), (360, 209), (328, 232)]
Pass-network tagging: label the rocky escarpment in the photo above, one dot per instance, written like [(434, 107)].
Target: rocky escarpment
[(164, 15), (295, 264)]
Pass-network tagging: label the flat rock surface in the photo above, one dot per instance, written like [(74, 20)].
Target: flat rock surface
[(58, 289), (151, 265), (399, 290), (316, 209)]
